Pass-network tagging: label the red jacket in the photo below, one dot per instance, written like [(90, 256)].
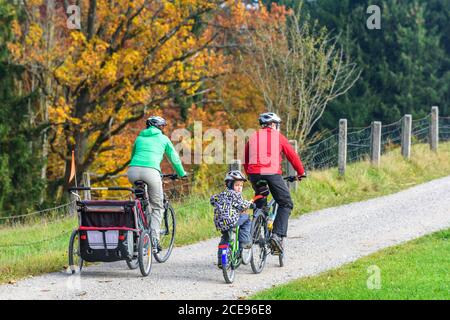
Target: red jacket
[(263, 153)]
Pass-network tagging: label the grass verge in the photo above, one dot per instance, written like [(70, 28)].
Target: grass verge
[(415, 270), (194, 217)]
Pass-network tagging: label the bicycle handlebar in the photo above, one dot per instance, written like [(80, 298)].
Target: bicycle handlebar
[(172, 176), (294, 178)]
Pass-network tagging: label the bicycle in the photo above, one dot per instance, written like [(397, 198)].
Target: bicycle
[(262, 229), (163, 250), (231, 255)]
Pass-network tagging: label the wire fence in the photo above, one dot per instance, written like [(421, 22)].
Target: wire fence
[(358, 145), (34, 243), (420, 130), (444, 128), (321, 155), (324, 154)]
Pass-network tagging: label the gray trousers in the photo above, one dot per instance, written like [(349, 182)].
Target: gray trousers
[(152, 178)]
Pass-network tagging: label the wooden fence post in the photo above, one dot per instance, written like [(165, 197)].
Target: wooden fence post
[(291, 170), (406, 136), (434, 129), (342, 153), (73, 205), (376, 143), (87, 183)]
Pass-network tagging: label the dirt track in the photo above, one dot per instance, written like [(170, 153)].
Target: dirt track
[(317, 242)]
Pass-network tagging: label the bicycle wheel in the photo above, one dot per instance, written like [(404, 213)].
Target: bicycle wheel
[(246, 256), (228, 268), (145, 253), (75, 260), (167, 235), (133, 264), (259, 250), (281, 259)]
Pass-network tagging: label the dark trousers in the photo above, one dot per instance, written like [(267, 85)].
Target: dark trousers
[(280, 192)]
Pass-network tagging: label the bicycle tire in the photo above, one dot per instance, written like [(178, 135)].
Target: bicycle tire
[(133, 264), (228, 269), (145, 252), (246, 256), (281, 260), (259, 232), (229, 274), (74, 237), (167, 240)]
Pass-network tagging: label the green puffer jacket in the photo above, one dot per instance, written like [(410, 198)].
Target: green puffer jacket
[(149, 149)]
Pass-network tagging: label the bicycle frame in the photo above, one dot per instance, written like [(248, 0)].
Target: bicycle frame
[(146, 201), (234, 248)]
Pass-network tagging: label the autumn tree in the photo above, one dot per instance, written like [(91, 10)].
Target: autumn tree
[(128, 57)]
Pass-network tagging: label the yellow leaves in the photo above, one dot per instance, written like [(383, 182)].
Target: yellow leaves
[(191, 42), (15, 28), (131, 56), (130, 61), (34, 35), (15, 49), (61, 112), (109, 71), (77, 37), (35, 3)]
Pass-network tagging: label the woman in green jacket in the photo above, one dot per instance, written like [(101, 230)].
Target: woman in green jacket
[(148, 152)]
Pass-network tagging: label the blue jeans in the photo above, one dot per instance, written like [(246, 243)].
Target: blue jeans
[(245, 238)]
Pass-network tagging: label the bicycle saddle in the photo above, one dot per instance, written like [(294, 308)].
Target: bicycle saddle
[(139, 183), (262, 188), (139, 190)]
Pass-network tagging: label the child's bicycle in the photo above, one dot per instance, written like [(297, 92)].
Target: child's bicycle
[(262, 229), (231, 255)]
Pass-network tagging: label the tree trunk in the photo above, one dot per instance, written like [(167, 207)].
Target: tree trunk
[(44, 103), (80, 139)]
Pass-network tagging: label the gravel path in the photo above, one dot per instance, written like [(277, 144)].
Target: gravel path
[(317, 242)]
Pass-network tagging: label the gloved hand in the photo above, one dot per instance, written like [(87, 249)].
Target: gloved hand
[(300, 177), (185, 176), (292, 179)]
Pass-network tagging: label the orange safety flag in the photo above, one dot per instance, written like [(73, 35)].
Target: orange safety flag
[(72, 167)]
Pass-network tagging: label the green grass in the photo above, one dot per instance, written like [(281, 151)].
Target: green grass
[(418, 269), (194, 217)]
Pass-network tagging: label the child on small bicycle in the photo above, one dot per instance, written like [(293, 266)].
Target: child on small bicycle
[(230, 210)]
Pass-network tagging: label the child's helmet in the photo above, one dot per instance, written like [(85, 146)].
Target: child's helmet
[(234, 175)]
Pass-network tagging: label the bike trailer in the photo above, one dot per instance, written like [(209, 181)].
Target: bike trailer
[(108, 229)]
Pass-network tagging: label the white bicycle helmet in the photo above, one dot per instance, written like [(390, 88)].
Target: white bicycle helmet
[(268, 118), (155, 121), (234, 175)]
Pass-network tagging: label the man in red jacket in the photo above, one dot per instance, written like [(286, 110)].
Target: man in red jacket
[(263, 162)]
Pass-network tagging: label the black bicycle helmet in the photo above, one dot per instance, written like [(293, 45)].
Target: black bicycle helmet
[(156, 121), (269, 117)]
